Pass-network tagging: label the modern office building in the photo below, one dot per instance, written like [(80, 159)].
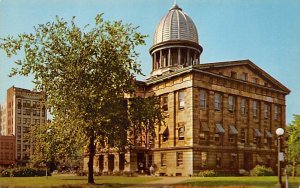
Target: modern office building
[(3, 119), (219, 116), (23, 110)]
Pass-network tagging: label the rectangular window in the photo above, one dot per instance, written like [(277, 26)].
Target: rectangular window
[(181, 99), (218, 160), (163, 159), (19, 120), (165, 103), (181, 133), (233, 74), (230, 103), (217, 101), (243, 135), (43, 112), (204, 131), (35, 104), (26, 111), (233, 160), (254, 108), (203, 159), (243, 106), (179, 158), (231, 138), (267, 111), (202, 98), (244, 76), (19, 104), (26, 103), (36, 121), (255, 80)]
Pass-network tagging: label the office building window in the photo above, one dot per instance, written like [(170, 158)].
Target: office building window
[(165, 103), (244, 76), (233, 74), (267, 111), (26, 103), (179, 158), (163, 159), (243, 135), (181, 133), (255, 80), (218, 160), (19, 104), (217, 101), (230, 103), (181, 99), (255, 109), (243, 106), (202, 98)]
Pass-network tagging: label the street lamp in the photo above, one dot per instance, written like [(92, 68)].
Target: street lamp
[(279, 132), (48, 133)]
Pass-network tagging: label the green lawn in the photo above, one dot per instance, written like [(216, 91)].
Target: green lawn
[(75, 181), (269, 181), (120, 181)]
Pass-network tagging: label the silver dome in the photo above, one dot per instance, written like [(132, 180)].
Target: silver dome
[(175, 25)]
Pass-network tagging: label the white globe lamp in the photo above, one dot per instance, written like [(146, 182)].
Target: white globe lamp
[(279, 131)]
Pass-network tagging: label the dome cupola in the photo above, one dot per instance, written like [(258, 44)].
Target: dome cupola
[(175, 43), (175, 25)]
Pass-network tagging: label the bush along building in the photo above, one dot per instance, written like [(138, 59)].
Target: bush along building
[(218, 116)]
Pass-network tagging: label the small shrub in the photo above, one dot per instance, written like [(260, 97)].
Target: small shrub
[(23, 172), (259, 170), (207, 173), (5, 173)]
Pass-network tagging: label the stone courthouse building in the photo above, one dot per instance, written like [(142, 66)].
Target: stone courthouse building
[(220, 116)]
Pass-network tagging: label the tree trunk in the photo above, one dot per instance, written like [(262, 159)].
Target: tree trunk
[(294, 166), (91, 157)]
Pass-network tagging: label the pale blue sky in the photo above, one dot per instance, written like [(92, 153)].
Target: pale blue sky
[(266, 32)]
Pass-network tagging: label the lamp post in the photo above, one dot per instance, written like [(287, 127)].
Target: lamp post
[(279, 132), (48, 134)]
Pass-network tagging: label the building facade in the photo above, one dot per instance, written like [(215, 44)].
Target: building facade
[(7, 150), (23, 110), (3, 119), (218, 116)]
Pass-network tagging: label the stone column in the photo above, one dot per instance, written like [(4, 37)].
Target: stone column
[(155, 63), (169, 57), (188, 57), (96, 163), (179, 56), (105, 165), (127, 162), (147, 160), (160, 59), (117, 162)]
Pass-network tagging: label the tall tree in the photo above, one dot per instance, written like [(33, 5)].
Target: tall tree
[(294, 143), (80, 71)]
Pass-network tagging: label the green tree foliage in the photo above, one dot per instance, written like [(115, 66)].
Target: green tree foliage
[(294, 143), (144, 114), (83, 73)]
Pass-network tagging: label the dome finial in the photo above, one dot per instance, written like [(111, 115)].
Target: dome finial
[(175, 6)]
